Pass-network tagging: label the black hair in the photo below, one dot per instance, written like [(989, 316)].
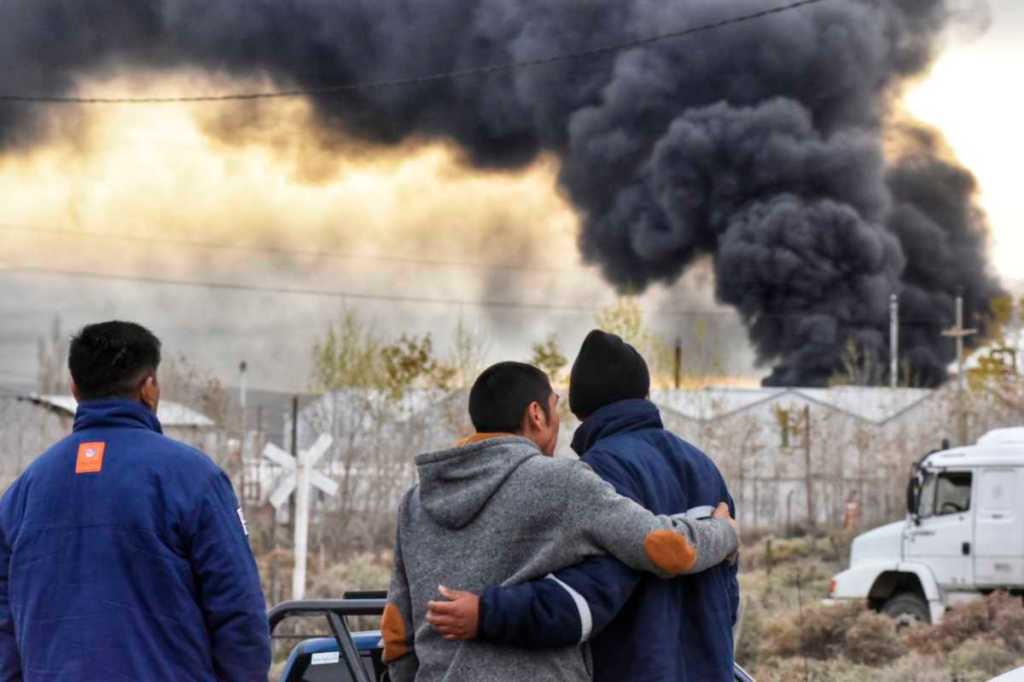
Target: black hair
[(501, 394), (110, 359)]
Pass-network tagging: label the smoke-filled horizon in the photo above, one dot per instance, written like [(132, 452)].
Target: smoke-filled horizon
[(771, 147)]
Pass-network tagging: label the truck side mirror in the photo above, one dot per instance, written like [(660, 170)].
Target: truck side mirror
[(913, 490)]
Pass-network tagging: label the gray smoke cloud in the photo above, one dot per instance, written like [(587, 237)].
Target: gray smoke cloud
[(760, 145)]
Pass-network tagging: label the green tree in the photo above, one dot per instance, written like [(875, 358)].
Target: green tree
[(548, 356), (348, 356), (410, 362), (352, 355), (466, 357), (624, 319)]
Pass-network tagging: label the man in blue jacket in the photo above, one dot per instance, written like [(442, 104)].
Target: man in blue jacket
[(123, 554), (643, 629)]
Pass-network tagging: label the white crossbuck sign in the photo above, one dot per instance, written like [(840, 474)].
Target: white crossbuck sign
[(300, 477), (287, 483)]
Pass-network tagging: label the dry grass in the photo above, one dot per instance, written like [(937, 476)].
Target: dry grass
[(788, 634)]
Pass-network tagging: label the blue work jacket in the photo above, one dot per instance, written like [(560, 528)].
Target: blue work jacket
[(124, 556)]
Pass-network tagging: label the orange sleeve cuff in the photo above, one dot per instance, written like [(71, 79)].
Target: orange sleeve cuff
[(670, 551)]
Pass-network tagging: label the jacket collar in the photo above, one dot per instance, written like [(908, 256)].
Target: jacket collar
[(620, 417), (115, 413)]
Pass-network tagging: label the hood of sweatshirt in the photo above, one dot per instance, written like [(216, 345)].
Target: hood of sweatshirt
[(456, 484)]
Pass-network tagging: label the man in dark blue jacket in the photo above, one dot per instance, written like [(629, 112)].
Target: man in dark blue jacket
[(642, 629), (123, 554)]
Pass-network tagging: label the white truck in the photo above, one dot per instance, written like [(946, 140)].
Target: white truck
[(963, 535)]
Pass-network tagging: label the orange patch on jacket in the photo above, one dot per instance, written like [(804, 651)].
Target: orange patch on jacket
[(670, 551), (90, 458), (477, 438), (392, 631)]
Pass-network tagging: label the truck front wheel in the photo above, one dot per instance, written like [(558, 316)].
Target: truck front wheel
[(907, 608)]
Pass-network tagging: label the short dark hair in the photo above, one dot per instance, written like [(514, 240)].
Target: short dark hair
[(501, 394), (109, 359)]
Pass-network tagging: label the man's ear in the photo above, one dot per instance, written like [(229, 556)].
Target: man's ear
[(74, 390), (532, 418), (149, 392)]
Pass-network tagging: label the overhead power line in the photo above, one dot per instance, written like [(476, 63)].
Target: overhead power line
[(416, 80), (303, 291), (425, 300), (277, 251)]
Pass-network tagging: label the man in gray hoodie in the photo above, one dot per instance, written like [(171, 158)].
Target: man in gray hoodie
[(498, 509)]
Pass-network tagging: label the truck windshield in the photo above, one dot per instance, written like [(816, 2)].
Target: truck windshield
[(953, 492)]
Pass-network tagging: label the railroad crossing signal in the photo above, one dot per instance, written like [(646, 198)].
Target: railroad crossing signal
[(289, 481), (300, 477)]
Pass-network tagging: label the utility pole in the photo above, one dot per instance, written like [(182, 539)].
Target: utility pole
[(894, 340), (959, 333)]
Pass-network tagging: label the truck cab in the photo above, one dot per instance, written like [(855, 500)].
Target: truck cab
[(963, 534)]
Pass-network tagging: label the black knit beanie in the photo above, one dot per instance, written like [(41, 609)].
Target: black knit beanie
[(606, 371)]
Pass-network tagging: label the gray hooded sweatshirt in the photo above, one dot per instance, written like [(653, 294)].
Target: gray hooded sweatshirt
[(499, 512)]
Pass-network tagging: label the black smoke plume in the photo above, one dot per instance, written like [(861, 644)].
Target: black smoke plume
[(760, 144)]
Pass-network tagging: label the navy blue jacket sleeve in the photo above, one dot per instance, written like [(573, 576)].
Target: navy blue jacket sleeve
[(229, 587), (10, 661), (573, 604), (561, 610)]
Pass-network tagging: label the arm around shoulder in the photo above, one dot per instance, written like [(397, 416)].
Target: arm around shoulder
[(667, 546)]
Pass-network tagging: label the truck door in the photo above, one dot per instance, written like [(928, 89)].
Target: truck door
[(943, 537), (999, 533)]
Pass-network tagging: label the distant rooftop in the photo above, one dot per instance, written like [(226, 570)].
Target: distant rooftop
[(873, 404), (169, 413)]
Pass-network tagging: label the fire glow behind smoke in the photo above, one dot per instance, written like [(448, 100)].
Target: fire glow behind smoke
[(757, 145)]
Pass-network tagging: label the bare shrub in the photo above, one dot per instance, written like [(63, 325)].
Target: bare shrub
[(998, 614), (913, 668), (361, 572), (810, 670), (979, 659), (1008, 621), (751, 633), (872, 640), (815, 632), (804, 574), (790, 549)]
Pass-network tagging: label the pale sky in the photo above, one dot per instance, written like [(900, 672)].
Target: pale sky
[(974, 94)]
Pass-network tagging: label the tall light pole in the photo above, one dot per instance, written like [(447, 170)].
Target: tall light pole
[(242, 397), (894, 340)]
